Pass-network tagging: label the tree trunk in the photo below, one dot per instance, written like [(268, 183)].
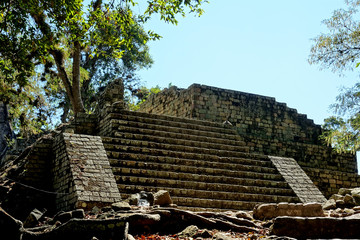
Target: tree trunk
[(66, 109), (69, 87), (72, 88), (76, 100)]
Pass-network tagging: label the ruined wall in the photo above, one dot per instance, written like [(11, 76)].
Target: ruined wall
[(307, 155), (84, 123), (255, 115), (173, 101), (32, 180), (38, 163), (82, 173), (268, 127), (330, 181)]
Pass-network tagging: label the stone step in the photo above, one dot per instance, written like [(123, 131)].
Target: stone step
[(206, 182), (167, 118), (179, 151), (120, 143), (190, 159), (180, 141), (190, 166), (174, 135), (176, 123), (120, 124), (202, 186), (205, 194)]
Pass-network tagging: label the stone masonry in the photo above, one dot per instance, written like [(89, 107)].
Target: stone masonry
[(82, 174), (203, 163), (267, 126)]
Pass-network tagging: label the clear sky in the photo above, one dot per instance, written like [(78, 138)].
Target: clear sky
[(257, 46)]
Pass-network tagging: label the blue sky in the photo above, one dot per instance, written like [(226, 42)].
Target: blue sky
[(259, 47)]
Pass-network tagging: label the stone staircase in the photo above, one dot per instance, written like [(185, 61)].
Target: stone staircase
[(204, 165)]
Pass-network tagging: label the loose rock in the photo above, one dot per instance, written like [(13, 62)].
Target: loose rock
[(243, 214), (329, 204), (33, 219), (162, 198), (344, 191), (222, 236), (78, 213), (190, 231), (349, 201)]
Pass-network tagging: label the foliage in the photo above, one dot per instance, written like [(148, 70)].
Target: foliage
[(98, 71), (28, 106), (64, 38), (344, 134), (140, 96), (339, 50)]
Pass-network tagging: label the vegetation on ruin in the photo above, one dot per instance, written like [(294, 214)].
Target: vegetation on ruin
[(58, 54), (339, 50)]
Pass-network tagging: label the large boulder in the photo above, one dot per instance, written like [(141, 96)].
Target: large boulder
[(272, 210), (162, 198)]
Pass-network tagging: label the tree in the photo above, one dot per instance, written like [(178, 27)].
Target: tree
[(29, 109), (339, 50), (97, 71), (39, 33)]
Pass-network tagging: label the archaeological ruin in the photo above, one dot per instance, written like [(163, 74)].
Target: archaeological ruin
[(210, 148)]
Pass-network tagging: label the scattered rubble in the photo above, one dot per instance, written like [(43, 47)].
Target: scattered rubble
[(156, 217)]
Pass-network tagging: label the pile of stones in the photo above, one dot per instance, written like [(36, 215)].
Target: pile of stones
[(345, 198), (152, 213)]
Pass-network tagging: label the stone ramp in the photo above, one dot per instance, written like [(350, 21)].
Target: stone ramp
[(298, 180), (204, 165)]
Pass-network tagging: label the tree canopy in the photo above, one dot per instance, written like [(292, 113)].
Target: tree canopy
[(339, 50), (68, 48)]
